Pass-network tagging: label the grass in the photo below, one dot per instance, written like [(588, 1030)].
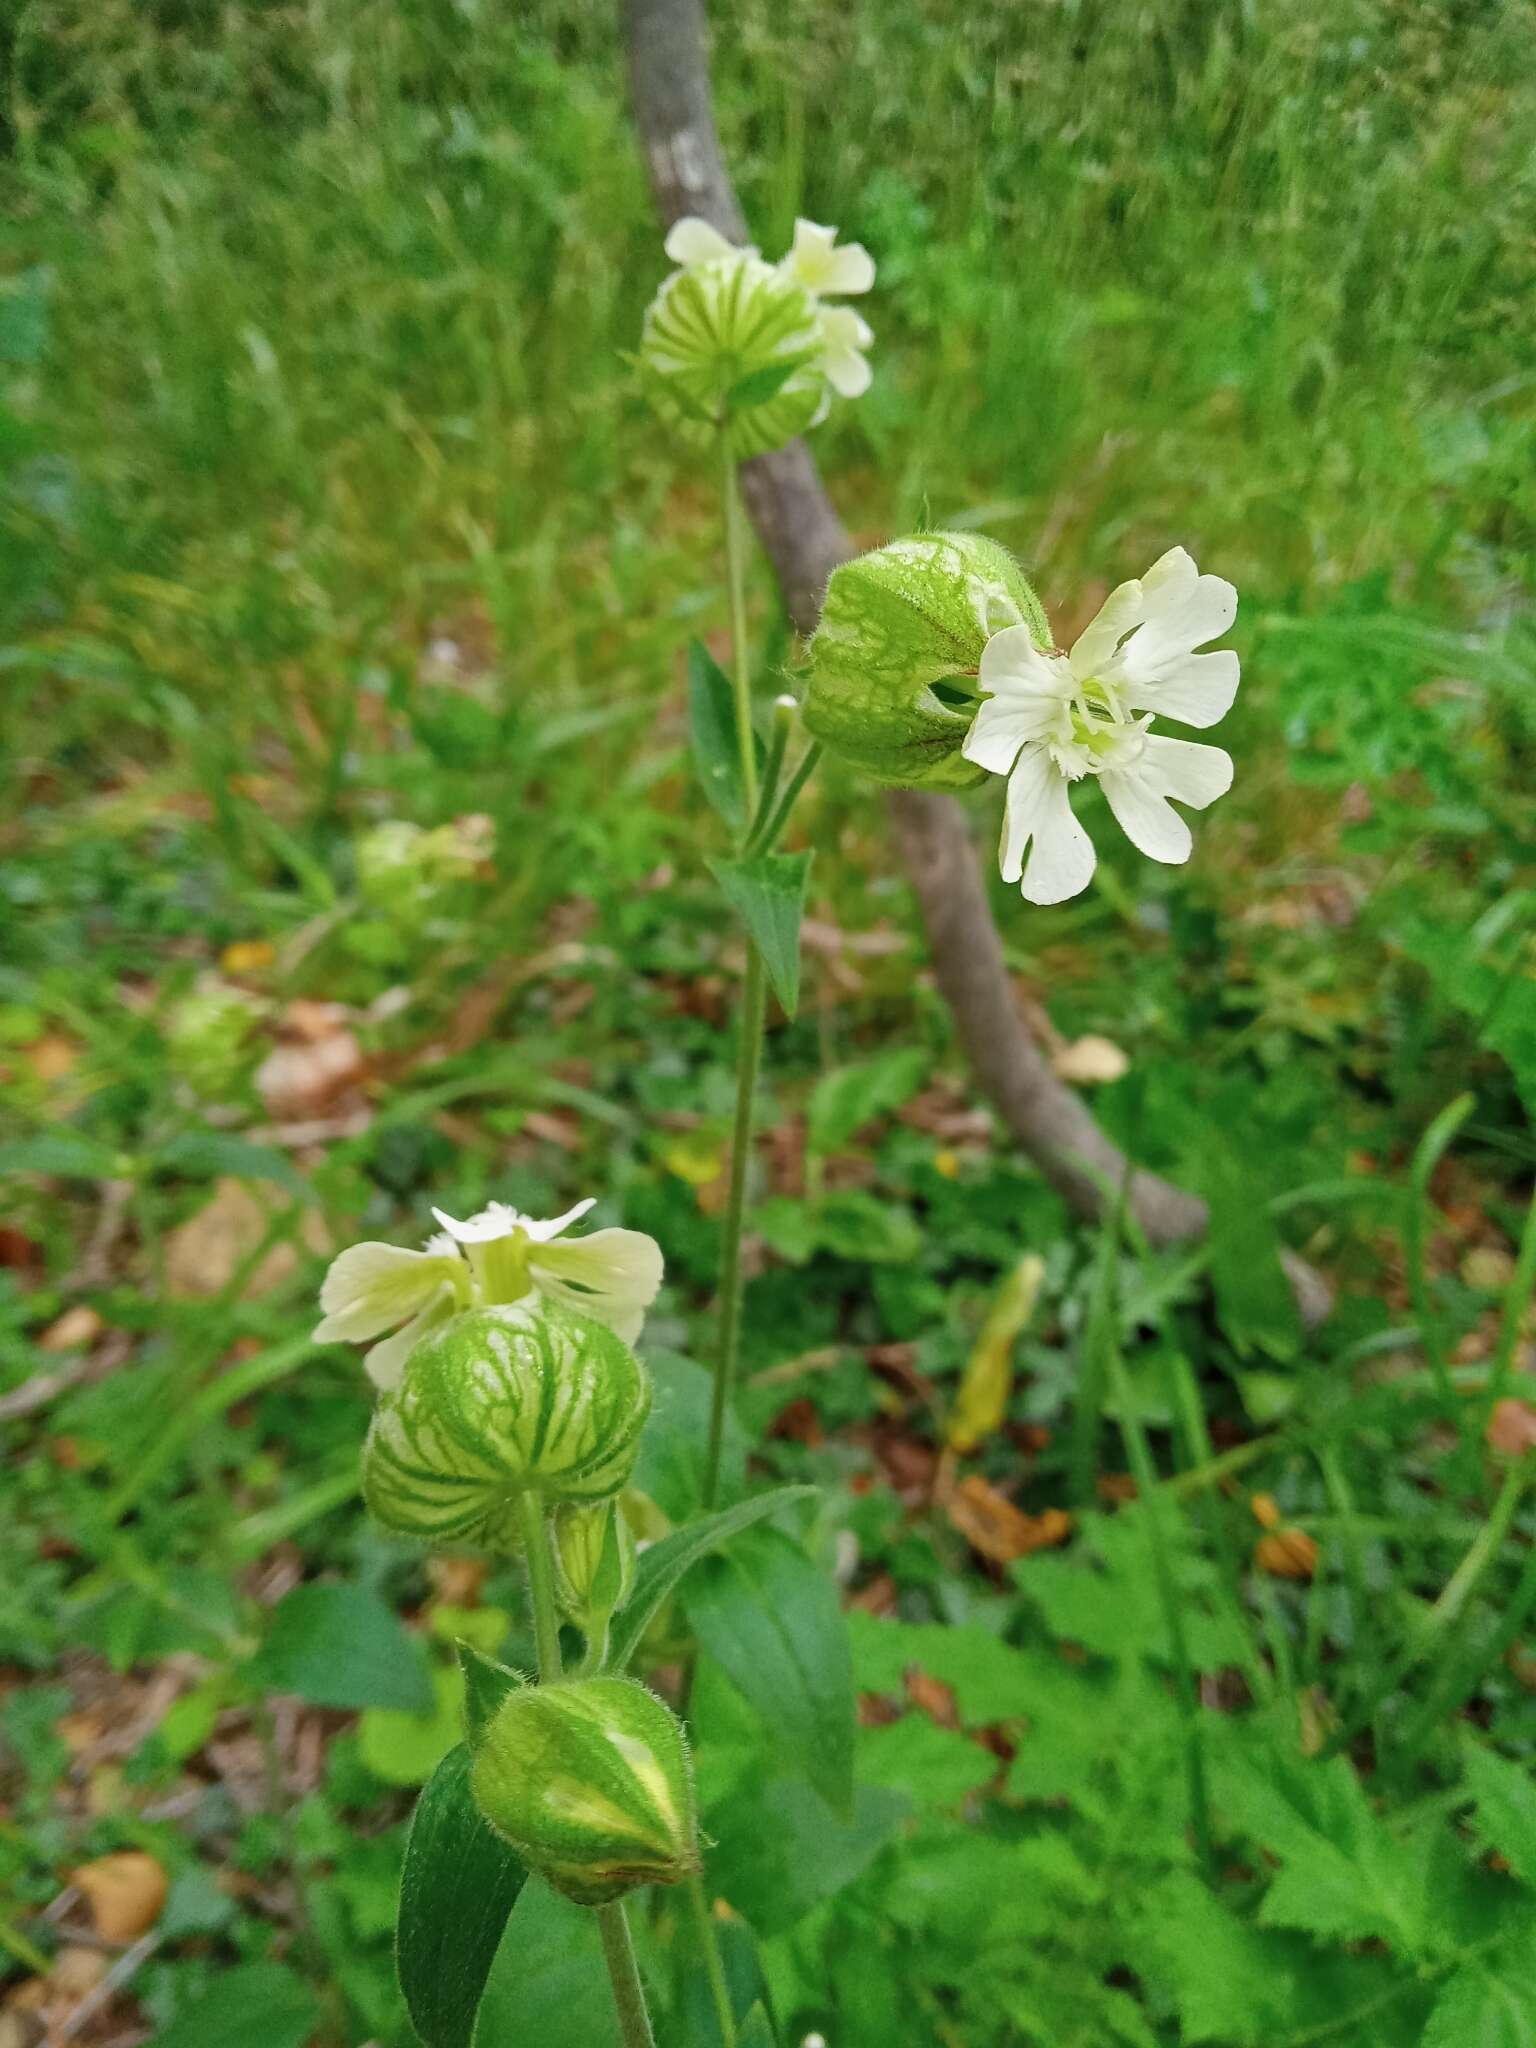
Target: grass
[(328, 500)]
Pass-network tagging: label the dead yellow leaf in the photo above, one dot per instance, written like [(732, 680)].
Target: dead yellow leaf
[(982, 1399), (998, 1530), (51, 1057), (1266, 1510), (77, 1327), (1512, 1428), (1286, 1554), (126, 1892), (247, 956)]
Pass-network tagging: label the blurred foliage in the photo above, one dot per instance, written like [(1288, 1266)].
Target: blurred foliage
[(328, 509)]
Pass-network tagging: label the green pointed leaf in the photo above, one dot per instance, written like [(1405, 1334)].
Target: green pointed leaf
[(486, 1684), (1506, 1808), (770, 1618), (755, 2031), (206, 1155), (457, 1890), (767, 892), (712, 730), (758, 386), (659, 1569), (1486, 2005), (65, 1152), (341, 1646)]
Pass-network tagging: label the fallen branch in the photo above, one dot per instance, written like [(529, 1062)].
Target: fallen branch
[(805, 540)]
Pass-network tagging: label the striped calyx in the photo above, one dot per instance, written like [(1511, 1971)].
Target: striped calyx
[(594, 1558), (590, 1783), (894, 660), (497, 1401), (733, 346)]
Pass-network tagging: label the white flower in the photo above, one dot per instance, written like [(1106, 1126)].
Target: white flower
[(826, 272), (1047, 720), (611, 1276), (844, 338), (691, 241)]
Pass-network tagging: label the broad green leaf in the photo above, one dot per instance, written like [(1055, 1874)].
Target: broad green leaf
[(486, 1684), (340, 1646), (1253, 1297), (843, 1101), (670, 1467), (659, 1569), (405, 1749), (850, 1223), (1506, 1807), (991, 1680), (770, 1618), (780, 1850), (206, 1155), (61, 1152), (934, 1766), (1486, 2005), (457, 1889), (548, 1985), (767, 892), (255, 2005), (712, 732)]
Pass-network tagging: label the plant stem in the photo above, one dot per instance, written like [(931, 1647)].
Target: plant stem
[(624, 1972), (736, 589), (541, 1583), (747, 1059), (612, 1925), (709, 1948)]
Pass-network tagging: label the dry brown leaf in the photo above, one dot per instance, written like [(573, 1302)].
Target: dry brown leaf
[(203, 1254), (1512, 1428), (126, 1892), (302, 1078), (1286, 1554), (932, 1697), (998, 1530), (77, 1327), (1090, 1059), (52, 1056)]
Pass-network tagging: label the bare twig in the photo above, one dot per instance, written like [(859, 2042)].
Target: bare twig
[(806, 540)]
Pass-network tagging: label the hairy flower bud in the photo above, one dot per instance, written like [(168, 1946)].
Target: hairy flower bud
[(496, 1401), (590, 1783), (893, 684), (594, 1559), (733, 345)]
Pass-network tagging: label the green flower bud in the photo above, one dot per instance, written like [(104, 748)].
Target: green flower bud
[(594, 1557), (894, 659), (208, 1038), (493, 1402), (732, 343), (590, 1783)]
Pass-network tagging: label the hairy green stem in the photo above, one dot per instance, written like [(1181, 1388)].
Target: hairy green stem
[(736, 589), (747, 1060), (624, 1972), (714, 1967), (541, 1582), (613, 1926)]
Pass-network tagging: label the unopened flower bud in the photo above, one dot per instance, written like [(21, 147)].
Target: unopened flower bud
[(594, 1558), (494, 1402), (590, 1783), (894, 659)]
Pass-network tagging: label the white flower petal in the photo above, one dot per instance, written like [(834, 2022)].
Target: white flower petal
[(611, 1276), (1038, 814), (541, 1233), (1188, 772), (1169, 575), (497, 1219), (385, 1363), (1194, 613), (847, 372), (372, 1287), (816, 263), (1196, 689), (1026, 690), (1146, 817), (1121, 610), (691, 240)]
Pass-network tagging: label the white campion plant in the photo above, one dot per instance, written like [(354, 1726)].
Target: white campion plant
[(1049, 719), (498, 1255)]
